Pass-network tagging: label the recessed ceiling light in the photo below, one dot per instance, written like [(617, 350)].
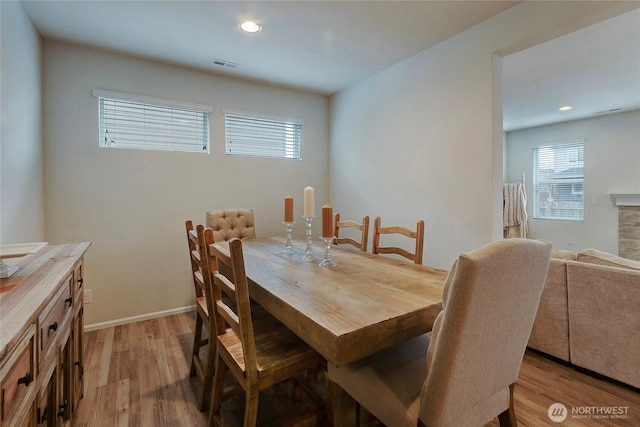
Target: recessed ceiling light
[(565, 108), (250, 26)]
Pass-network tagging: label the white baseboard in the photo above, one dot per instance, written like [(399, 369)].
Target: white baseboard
[(132, 319)]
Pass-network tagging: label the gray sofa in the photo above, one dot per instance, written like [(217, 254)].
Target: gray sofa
[(589, 314)]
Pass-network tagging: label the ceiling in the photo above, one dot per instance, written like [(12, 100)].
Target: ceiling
[(325, 46)]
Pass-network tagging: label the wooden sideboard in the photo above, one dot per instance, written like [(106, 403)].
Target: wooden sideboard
[(41, 329)]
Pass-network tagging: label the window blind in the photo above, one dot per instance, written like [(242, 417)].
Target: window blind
[(149, 124), (261, 136), (558, 181)]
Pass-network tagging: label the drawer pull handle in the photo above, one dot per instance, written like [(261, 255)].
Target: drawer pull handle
[(44, 416), (26, 380), (80, 282), (53, 326), (69, 301), (62, 407)]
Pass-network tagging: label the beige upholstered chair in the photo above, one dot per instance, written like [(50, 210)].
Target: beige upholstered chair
[(417, 234), (464, 374), (362, 227), (202, 366), (229, 223), (259, 353)]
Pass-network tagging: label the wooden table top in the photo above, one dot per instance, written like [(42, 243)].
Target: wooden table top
[(363, 305)]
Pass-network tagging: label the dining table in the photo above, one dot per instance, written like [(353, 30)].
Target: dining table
[(365, 304)]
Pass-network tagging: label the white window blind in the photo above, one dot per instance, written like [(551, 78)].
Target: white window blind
[(558, 181), (249, 134), (143, 123)]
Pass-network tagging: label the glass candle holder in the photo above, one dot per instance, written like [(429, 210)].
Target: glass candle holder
[(326, 260), (288, 247), (308, 253)]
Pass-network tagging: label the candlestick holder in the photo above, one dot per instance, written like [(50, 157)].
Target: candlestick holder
[(288, 247), (327, 261), (308, 253)]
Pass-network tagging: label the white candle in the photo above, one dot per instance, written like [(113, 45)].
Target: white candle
[(309, 201)]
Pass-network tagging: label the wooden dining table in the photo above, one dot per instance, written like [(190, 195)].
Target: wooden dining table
[(365, 304)]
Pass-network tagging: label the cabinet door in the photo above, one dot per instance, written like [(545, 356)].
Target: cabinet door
[(45, 411), (63, 391), (77, 368)]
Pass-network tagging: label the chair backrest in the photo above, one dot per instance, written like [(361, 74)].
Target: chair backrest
[(237, 289), (205, 265), (417, 234), (229, 223), (362, 227), (490, 300), (194, 256)]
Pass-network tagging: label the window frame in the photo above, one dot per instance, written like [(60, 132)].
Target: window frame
[(562, 188), (275, 127), (171, 115)]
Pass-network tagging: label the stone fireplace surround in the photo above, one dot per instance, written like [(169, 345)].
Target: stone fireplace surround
[(628, 225)]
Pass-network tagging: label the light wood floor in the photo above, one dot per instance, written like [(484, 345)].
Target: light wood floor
[(138, 375)]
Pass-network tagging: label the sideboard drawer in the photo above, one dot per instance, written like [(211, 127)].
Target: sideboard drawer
[(56, 318), (18, 378)]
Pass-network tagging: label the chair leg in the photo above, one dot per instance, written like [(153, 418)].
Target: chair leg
[(217, 393), (207, 381), (341, 408), (508, 417), (251, 406), (197, 338)]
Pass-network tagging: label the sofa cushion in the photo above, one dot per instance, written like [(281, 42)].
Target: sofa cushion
[(604, 320), (595, 256), (564, 254)]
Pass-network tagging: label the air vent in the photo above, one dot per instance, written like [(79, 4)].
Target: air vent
[(225, 64), (613, 110)]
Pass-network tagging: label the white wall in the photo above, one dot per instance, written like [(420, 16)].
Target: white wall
[(612, 165), (21, 189), (132, 204), (421, 140)]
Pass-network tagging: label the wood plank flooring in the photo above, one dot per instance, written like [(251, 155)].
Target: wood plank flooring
[(138, 375)]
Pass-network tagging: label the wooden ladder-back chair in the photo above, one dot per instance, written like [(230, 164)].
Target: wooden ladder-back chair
[(465, 372), (260, 354), (362, 227), (203, 367), (417, 235)]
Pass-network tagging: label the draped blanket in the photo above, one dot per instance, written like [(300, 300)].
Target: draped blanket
[(514, 214)]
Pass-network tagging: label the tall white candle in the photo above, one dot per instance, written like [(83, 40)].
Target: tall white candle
[(309, 201)]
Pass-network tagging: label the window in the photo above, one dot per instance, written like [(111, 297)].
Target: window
[(558, 181), (257, 135), (143, 123)]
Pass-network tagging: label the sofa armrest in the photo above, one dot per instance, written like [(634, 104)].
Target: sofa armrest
[(550, 333), (604, 320)]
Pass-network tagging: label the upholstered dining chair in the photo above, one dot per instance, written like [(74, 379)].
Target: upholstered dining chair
[(417, 235), (203, 367), (465, 372), (229, 223), (362, 227), (258, 354)]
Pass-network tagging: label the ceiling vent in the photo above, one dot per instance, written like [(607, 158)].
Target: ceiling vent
[(224, 64)]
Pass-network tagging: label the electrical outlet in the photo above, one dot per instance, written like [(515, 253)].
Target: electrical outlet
[(570, 240), (87, 296)]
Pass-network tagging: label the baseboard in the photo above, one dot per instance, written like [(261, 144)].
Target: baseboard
[(132, 319)]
